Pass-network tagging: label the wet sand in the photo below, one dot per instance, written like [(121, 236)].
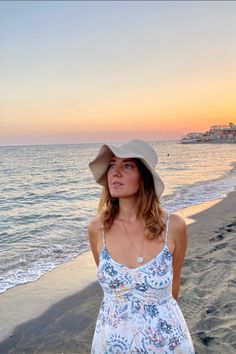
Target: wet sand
[(57, 313)]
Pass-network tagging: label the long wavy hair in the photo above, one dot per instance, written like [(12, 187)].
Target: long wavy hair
[(149, 208)]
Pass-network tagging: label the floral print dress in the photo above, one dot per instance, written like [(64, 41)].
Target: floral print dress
[(138, 313)]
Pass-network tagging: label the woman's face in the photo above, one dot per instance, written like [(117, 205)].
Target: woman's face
[(123, 177)]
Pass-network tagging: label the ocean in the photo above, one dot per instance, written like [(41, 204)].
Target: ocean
[(48, 196)]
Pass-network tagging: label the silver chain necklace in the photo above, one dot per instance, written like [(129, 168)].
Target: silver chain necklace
[(140, 258)]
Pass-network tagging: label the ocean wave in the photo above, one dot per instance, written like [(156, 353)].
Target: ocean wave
[(48, 196), (32, 265), (200, 192)]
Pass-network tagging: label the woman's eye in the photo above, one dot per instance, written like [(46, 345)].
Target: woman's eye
[(111, 166), (128, 166)]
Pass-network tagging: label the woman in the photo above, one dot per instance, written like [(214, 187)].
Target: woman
[(139, 250)]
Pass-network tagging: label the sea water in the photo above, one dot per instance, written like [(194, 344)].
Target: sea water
[(48, 196)]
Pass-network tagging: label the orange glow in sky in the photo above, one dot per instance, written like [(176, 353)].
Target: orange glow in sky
[(101, 71)]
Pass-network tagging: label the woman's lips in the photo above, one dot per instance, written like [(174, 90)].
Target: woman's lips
[(116, 184)]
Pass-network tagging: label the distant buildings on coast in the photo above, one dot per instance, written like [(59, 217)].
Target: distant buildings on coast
[(216, 134)]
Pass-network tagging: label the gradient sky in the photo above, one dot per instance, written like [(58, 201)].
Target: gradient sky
[(74, 71)]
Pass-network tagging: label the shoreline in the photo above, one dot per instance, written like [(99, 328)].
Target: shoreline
[(30, 308), (63, 281), (47, 290)]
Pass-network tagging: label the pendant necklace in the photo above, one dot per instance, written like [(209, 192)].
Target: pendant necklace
[(139, 259)]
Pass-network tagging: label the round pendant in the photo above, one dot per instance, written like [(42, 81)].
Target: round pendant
[(140, 259)]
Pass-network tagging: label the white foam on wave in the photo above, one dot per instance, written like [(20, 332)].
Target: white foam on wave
[(200, 192), (35, 264), (43, 219)]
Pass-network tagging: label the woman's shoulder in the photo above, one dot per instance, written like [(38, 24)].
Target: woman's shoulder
[(177, 221), (174, 219), (178, 229), (95, 225)]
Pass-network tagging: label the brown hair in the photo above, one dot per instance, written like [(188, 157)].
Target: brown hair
[(148, 205)]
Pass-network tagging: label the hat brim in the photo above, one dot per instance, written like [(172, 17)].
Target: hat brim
[(99, 165)]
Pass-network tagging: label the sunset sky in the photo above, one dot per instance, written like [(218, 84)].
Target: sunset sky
[(74, 71)]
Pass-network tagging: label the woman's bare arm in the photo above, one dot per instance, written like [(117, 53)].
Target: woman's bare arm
[(181, 242), (94, 232)]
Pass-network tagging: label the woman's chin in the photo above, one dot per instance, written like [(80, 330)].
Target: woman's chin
[(116, 194)]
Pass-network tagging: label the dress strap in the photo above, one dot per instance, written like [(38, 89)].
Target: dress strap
[(167, 225), (103, 238)]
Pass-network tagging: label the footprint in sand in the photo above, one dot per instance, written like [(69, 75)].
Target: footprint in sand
[(204, 338), (223, 231), (207, 281), (197, 307), (217, 238), (220, 246), (232, 224)]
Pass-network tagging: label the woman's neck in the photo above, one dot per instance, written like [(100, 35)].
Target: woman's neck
[(128, 210)]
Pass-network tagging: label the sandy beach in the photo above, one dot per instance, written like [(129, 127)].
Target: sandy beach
[(57, 313)]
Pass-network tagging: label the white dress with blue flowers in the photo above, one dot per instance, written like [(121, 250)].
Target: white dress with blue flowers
[(138, 313)]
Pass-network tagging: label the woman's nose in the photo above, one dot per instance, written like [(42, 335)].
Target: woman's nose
[(117, 171)]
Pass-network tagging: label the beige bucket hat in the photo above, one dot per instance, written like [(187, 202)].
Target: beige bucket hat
[(137, 149)]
